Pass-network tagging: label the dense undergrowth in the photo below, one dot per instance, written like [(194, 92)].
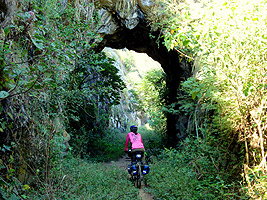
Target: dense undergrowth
[(80, 179), (53, 85), (195, 172), (225, 100)]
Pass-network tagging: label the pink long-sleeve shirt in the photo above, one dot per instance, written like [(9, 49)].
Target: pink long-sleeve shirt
[(136, 141)]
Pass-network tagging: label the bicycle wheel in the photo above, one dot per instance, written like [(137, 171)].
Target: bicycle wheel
[(139, 178)]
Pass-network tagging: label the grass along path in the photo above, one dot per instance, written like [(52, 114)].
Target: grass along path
[(122, 164), (78, 179)]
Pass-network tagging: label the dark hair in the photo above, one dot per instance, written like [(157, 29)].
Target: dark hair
[(133, 128)]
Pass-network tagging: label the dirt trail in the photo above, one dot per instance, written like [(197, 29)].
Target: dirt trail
[(122, 163)]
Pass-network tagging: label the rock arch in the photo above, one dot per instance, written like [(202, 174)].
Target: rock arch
[(120, 29)]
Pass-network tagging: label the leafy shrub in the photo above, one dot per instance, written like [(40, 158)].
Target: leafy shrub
[(93, 88), (226, 40), (111, 147), (152, 91), (48, 76), (194, 172), (154, 141)]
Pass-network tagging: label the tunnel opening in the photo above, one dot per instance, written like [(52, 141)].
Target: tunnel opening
[(177, 69), (142, 99)]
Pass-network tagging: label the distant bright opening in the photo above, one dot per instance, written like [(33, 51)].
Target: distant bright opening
[(133, 68)]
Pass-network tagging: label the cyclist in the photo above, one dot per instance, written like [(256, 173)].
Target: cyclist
[(136, 143)]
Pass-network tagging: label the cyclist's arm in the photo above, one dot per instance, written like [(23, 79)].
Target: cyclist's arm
[(126, 143)]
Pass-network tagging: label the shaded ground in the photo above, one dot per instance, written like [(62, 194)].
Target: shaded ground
[(122, 163)]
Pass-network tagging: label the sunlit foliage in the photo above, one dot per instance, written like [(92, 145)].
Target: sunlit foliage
[(226, 41)]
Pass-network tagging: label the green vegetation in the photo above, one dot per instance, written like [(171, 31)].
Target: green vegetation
[(90, 181), (152, 91), (225, 100), (79, 179), (195, 172), (53, 85)]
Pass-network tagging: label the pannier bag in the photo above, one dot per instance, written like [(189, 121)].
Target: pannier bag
[(129, 169), (145, 169), (134, 170)]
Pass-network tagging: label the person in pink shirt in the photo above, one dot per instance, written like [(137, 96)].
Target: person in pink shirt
[(135, 140)]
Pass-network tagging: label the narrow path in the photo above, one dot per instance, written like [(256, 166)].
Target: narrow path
[(122, 163)]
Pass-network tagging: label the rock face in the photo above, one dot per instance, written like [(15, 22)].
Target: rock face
[(7, 10), (126, 12), (123, 25)]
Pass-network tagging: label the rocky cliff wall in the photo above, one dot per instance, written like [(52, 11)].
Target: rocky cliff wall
[(123, 24)]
